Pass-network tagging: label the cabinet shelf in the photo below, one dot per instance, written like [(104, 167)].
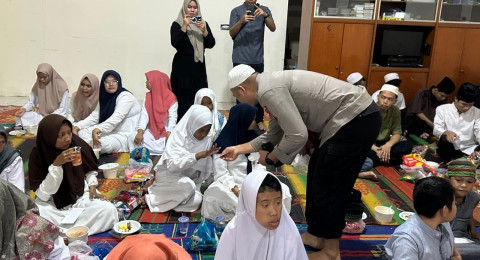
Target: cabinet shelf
[(398, 69), (411, 23)]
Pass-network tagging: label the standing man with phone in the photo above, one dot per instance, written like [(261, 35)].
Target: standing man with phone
[(247, 29)]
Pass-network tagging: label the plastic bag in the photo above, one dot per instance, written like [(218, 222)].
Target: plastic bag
[(101, 249), (300, 163), (137, 171), (140, 154), (79, 250), (204, 238)]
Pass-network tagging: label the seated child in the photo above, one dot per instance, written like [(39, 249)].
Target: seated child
[(159, 114), (85, 99), (262, 228), (184, 165), (59, 185), (49, 94), (206, 97), (221, 197), (11, 163), (461, 173), (427, 234)]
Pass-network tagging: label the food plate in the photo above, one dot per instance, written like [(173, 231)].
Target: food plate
[(134, 227), (15, 132), (406, 214)]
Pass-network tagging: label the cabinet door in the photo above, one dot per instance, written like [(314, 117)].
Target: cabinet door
[(357, 42), (469, 70), (325, 48), (447, 55)]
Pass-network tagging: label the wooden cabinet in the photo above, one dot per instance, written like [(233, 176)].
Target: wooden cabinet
[(456, 55), (413, 79), (338, 49)]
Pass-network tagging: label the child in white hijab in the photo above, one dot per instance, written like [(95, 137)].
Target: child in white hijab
[(262, 228), (206, 97), (184, 165)]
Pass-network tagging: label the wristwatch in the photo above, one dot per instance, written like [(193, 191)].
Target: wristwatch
[(270, 162)]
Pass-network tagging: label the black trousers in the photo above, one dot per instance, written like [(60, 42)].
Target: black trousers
[(332, 172), (446, 150)]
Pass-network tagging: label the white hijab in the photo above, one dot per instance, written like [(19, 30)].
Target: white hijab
[(245, 238), (182, 142), (206, 92)]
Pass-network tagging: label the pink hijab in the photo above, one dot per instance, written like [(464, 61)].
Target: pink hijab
[(158, 101), (83, 106), (50, 94)]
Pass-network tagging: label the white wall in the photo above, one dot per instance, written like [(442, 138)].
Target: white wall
[(131, 37)]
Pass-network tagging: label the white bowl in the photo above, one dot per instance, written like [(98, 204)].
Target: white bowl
[(384, 214), (32, 129), (109, 170), (77, 233)]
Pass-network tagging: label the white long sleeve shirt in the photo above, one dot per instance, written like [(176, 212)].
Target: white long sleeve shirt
[(169, 125), (14, 173), (465, 125), (61, 110)]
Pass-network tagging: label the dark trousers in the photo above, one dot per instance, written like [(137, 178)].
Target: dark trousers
[(415, 125), (446, 150), (396, 152), (332, 172), (258, 68)]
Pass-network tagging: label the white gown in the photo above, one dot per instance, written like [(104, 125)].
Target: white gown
[(154, 146), (14, 173), (116, 128), (219, 200), (179, 175), (98, 216), (33, 118)]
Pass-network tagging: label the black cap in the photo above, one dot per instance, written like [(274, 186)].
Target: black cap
[(446, 85), (468, 93)]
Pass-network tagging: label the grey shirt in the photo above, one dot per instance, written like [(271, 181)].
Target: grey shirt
[(248, 43), (416, 240), (460, 224), (302, 100)]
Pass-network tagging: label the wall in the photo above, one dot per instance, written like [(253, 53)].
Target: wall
[(131, 37)]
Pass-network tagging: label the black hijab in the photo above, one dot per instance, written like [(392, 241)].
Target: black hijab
[(45, 153), (107, 100), (8, 154)]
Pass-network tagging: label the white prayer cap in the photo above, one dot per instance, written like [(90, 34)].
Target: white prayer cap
[(354, 78), (239, 74), (391, 76), (390, 88)]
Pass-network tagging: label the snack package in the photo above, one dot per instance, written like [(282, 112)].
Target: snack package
[(204, 238)]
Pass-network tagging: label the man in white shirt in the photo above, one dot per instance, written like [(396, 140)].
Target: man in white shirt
[(458, 124), (392, 79)]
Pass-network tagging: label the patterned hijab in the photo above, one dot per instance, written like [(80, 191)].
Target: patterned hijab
[(50, 94), (45, 153), (83, 106), (108, 101), (24, 232), (194, 34), (158, 101)]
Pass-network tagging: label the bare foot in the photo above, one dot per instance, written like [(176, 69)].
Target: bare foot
[(312, 241), (368, 175)]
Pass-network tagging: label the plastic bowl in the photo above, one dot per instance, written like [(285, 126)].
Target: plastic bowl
[(109, 170), (384, 214), (31, 129), (77, 233)]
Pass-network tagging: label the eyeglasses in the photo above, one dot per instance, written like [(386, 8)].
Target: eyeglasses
[(113, 82)]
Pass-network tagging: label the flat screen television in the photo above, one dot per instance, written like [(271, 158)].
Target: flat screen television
[(402, 43)]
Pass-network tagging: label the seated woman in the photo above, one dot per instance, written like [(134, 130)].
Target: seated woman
[(184, 165), (113, 120), (262, 228), (206, 97), (26, 235), (49, 94), (11, 164), (59, 185), (221, 197), (156, 121), (85, 99)]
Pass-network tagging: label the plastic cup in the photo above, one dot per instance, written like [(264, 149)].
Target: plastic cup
[(77, 159), (183, 225), (219, 225), (96, 150)]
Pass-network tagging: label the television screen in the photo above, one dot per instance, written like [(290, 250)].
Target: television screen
[(402, 43)]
